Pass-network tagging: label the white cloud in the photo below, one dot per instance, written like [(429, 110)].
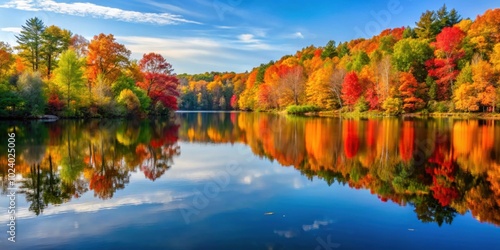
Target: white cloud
[(298, 35), (96, 11), (16, 30)]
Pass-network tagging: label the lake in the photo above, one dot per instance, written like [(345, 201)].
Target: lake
[(253, 181)]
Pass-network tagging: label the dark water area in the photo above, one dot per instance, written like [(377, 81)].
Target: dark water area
[(253, 181)]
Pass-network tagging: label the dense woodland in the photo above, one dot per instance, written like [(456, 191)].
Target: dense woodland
[(443, 64)]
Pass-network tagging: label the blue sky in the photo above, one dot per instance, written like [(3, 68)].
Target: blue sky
[(224, 35)]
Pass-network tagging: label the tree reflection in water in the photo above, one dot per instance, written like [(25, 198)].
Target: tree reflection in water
[(439, 167)]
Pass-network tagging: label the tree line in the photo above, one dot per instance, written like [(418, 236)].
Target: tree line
[(57, 72), (443, 64)]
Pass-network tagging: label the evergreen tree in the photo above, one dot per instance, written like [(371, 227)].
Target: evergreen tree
[(30, 41)]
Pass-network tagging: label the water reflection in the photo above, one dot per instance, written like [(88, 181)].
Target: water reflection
[(61, 161), (439, 167)]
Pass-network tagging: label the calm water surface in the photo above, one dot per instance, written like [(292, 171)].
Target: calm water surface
[(254, 181)]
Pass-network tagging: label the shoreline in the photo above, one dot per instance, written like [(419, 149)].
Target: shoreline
[(454, 115), (331, 114)]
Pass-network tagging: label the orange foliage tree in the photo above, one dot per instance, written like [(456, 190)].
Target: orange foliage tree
[(408, 89), (106, 57)]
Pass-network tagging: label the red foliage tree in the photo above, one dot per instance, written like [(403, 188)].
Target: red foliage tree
[(159, 82), (371, 97), (444, 66), (234, 102), (351, 89)]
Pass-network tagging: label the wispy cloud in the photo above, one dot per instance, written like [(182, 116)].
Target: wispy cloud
[(247, 38), (164, 198), (96, 11), (16, 30), (172, 8), (250, 42), (200, 54), (224, 27), (178, 47)]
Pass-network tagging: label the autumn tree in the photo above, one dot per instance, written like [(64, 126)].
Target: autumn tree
[(30, 41), (481, 92), (292, 85), (444, 66), (318, 90), (102, 96), (79, 44), (106, 57), (351, 89), (6, 59), (336, 83), (484, 32), (268, 92), (408, 90), (159, 82), (383, 71)]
